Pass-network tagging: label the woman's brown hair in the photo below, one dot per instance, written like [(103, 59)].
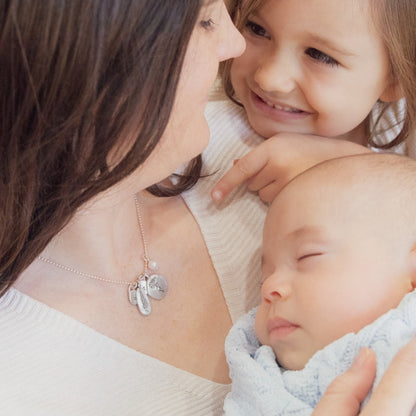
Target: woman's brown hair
[(76, 77), (396, 22)]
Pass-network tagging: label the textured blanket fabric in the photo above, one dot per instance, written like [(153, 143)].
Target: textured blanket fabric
[(261, 387)]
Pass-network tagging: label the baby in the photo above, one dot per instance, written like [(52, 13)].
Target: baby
[(339, 269)]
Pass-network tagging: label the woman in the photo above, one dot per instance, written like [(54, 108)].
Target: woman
[(100, 100)]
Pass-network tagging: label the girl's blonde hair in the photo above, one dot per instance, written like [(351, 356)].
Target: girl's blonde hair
[(239, 11), (396, 23)]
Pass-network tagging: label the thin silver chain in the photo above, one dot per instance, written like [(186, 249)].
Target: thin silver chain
[(146, 259), (82, 274)]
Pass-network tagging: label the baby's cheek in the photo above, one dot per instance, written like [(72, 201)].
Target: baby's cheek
[(260, 326)]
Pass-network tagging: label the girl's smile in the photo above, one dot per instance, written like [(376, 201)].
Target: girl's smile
[(314, 67), (279, 112)]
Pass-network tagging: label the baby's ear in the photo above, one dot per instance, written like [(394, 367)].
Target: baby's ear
[(392, 93), (412, 266)]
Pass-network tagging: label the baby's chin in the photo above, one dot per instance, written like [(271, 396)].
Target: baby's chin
[(292, 361)]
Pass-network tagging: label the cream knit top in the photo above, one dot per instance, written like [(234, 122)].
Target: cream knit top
[(51, 364)]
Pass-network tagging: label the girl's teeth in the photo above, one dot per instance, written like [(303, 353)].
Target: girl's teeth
[(279, 107)]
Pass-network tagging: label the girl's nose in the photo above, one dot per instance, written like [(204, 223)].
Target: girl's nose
[(275, 288), (276, 73)]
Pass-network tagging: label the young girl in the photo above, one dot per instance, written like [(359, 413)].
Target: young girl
[(337, 69)]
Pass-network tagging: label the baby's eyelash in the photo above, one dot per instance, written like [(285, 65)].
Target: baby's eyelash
[(308, 255), (207, 24), (319, 56)]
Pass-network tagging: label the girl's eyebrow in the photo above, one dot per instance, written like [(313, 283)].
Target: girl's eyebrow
[(328, 43), (255, 13)]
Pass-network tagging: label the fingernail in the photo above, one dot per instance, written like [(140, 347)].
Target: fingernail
[(217, 195), (360, 358)]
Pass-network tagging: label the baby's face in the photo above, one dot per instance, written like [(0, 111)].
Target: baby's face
[(328, 269)]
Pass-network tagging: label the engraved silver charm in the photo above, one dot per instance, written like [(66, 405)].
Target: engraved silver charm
[(143, 302), (133, 293), (154, 286), (157, 286)]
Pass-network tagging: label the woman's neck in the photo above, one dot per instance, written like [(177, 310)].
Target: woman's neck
[(103, 238)]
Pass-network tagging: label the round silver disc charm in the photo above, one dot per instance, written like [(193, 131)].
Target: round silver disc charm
[(157, 286)]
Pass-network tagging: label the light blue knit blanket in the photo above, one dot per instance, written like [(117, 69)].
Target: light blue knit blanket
[(261, 387)]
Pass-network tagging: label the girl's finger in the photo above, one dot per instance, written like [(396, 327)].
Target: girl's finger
[(242, 170)]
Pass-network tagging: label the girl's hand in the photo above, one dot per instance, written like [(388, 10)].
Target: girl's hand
[(272, 164), (395, 394)]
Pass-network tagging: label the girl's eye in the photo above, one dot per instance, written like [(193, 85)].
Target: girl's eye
[(207, 24), (321, 57), (256, 29)]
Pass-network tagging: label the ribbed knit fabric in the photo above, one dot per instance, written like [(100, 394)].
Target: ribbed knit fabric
[(51, 364), (389, 127), (232, 230)]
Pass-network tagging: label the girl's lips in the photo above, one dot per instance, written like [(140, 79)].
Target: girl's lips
[(279, 328), (277, 112)]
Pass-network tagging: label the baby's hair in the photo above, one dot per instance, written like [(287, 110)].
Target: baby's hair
[(396, 23), (395, 170), (386, 183)]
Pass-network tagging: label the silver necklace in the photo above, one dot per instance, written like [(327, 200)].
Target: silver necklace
[(148, 283)]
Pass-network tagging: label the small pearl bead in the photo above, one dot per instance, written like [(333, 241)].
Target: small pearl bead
[(153, 265)]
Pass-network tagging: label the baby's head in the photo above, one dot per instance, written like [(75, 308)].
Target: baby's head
[(319, 67), (338, 252)]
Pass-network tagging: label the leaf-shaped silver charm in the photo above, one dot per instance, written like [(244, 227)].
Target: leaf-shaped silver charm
[(143, 302), (133, 293)]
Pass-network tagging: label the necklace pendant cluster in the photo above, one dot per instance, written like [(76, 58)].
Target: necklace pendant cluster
[(153, 285), (148, 284)]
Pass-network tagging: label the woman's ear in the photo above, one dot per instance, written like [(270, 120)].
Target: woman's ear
[(392, 93)]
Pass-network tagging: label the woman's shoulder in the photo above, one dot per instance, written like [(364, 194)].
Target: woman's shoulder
[(224, 110), (39, 342), (229, 128)]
